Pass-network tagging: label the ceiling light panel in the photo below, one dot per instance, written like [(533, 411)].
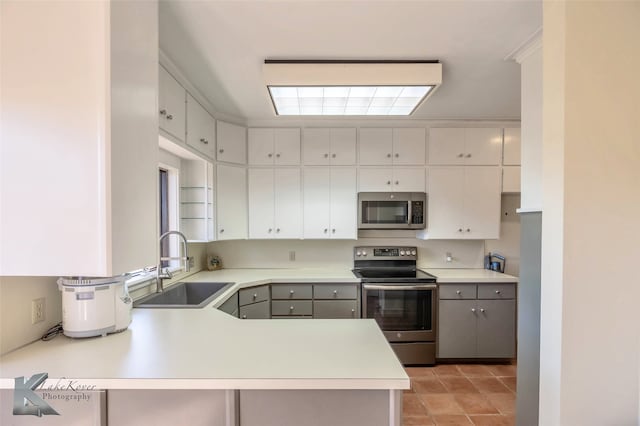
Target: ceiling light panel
[(347, 100), (357, 87)]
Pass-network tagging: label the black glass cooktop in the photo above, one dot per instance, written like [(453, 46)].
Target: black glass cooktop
[(393, 275)]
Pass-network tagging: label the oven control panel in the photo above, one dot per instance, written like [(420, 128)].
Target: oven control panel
[(385, 253)]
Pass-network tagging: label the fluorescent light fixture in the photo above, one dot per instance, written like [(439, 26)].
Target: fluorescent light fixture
[(350, 87), (320, 101)]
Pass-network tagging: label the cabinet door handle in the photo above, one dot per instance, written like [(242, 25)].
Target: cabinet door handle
[(326, 230), (221, 150), (244, 316), (335, 291), (255, 296), (222, 230), (270, 155), (326, 156), (468, 155), (169, 117), (277, 155), (497, 291), (397, 155), (291, 291), (388, 182), (388, 155), (482, 310), (460, 155), (459, 229), (333, 230), (353, 311), (468, 230), (270, 230), (291, 308), (458, 292), (163, 112), (204, 141), (333, 156), (473, 310), (397, 182), (277, 230)]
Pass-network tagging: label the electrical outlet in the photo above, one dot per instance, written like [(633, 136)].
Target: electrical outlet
[(292, 255), (449, 257), (192, 262), (38, 310)]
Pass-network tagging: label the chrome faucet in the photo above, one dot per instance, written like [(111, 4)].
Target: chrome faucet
[(166, 274)]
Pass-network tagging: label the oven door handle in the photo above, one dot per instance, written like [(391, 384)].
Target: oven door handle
[(399, 287)]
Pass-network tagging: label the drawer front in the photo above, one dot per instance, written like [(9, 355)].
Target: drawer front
[(291, 291), (291, 307), (292, 317), (496, 291), (258, 310), (231, 305), (457, 291), (329, 309), (254, 295), (335, 291)]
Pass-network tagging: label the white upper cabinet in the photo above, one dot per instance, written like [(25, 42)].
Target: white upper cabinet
[(401, 146), (275, 209), (511, 179), (409, 146), (376, 147), (464, 203), (391, 179), (465, 146), (201, 128), (172, 108), (231, 202), (511, 153), (231, 143), (274, 146), (330, 203), (79, 162), (324, 146)]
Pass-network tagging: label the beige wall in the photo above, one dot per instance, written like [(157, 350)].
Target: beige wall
[(590, 328), (16, 294)]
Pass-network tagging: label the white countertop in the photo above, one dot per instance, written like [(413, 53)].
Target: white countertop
[(208, 349), (471, 276)]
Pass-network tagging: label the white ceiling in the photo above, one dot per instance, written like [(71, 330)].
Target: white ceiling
[(220, 47)]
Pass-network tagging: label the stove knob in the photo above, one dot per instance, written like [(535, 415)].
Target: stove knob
[(401, 252), (413, 252), (358, 253)]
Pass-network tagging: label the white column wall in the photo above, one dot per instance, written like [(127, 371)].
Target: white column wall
[(590, 330), (531, 131)]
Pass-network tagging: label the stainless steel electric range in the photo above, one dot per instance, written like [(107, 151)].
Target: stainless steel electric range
[(401, 298)]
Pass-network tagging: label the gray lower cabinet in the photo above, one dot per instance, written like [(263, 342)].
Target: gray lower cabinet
[(457, 333), (230, 306), (476, 322), (258, 310), (329, 309), (254, 303), (291, 307)]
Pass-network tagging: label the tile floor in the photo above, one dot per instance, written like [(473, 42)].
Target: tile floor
[(461, 394)]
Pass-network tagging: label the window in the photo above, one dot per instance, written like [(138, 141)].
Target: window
[(168, 212)]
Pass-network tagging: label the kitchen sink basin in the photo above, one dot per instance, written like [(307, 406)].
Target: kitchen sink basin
[(183, 295)]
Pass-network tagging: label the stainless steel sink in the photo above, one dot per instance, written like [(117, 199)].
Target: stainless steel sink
[(184, 295)]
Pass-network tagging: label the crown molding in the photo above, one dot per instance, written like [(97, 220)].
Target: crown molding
[(526, 48)]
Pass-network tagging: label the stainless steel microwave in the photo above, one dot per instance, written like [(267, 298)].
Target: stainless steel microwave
[(392, 210)]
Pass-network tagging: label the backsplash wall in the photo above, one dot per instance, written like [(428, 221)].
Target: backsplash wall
[(16, 294), (339, 253)]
